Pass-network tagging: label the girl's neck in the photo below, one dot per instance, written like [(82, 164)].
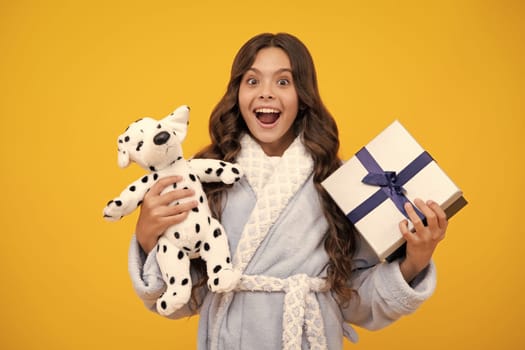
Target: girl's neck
[(276, 149)]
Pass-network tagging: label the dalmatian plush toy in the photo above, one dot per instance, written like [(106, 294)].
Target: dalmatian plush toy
[(156, 147)]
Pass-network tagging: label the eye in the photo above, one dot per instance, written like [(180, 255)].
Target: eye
[(283, 82), (251, 81)]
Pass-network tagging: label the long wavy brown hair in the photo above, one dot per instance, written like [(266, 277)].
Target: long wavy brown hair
[(319, 134)]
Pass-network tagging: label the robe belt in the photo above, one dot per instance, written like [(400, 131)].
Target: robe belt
[(301, 308)]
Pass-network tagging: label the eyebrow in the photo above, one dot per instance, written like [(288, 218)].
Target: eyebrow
[(279, 71)]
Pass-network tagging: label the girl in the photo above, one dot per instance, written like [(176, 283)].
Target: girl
[(306, 273)]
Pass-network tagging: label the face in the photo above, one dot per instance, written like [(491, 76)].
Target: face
[(268, 100)]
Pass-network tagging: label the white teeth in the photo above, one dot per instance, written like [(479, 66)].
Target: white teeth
[(266, 110)]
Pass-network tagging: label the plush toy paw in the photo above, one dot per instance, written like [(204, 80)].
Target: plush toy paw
[(230, 174), (114, 210), (224, 281), (172, 300)]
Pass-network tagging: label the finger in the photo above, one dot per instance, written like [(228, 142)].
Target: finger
[(440, 214), (179, 208), (412, 215), (175, 219), (175, 195), (430, 215), (162, 183), (405, 232), (409, 236)]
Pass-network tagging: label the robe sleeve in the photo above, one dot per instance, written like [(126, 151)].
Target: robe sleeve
[(147, 281), (383, 295)]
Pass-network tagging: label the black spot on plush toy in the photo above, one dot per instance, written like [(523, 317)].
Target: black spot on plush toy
[(156, 146)]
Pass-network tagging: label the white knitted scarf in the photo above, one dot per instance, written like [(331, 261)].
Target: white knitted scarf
[(274, 186)]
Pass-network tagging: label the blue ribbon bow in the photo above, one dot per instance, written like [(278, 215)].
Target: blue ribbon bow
[(391, 184), (385, 179)]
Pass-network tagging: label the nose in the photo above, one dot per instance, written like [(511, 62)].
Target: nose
[(266, 92), (161, 138)]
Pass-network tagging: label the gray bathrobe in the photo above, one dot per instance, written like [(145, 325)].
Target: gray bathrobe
[(275, 226)]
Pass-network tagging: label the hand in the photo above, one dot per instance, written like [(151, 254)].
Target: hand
[(421, 243), (156, 213)]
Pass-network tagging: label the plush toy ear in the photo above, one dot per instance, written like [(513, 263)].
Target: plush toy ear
[(123, 158), (179, 120)]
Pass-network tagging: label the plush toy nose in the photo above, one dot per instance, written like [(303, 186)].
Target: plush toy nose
[(161, 138)]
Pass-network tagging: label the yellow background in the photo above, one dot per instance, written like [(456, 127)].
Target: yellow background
[(73, 74)]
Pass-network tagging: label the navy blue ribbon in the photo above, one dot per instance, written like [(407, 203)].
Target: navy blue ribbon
[(390, 183)]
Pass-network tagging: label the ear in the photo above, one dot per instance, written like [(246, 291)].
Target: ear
[(179, 120), (123, 158)]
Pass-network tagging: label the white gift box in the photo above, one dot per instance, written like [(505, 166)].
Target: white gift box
[(400, 170)]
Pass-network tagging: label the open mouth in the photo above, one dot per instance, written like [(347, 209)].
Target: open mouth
[(267, 116)]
